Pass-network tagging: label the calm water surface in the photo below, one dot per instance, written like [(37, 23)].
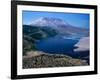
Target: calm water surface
[(57, 45)]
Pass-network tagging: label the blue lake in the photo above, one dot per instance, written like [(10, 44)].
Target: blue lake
[(57, 45)]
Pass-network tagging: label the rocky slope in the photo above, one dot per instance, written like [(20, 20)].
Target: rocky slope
[(37, 59)]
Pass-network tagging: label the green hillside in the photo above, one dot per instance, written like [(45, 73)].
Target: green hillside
[(31, 34)]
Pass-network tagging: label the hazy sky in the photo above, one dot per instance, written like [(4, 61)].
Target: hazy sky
[(76, 19)]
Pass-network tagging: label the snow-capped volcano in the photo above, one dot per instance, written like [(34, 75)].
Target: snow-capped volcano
[(60, 25), (48, 21)]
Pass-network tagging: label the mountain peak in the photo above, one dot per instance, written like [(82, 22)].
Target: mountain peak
[(51, 18), (48, 21)]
